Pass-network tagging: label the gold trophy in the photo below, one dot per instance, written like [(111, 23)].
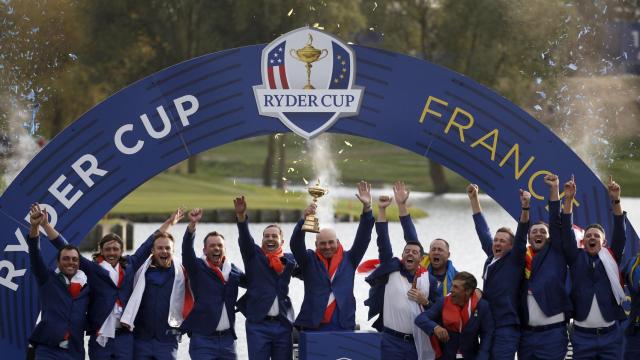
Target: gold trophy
[(311, 221), (308, 55)]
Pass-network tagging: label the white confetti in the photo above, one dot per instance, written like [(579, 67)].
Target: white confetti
[(375, 6), (290, 12), (340, 151), (538, 108), (306, 182), (348, 143), (573, 67), (542, 94), (538, 80)]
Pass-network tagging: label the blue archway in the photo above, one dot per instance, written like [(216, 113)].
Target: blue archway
[(208, 101)]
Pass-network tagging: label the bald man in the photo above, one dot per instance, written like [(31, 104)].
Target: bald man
[(328, 272)]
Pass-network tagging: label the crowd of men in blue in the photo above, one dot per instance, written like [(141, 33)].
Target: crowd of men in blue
[(533, 300)]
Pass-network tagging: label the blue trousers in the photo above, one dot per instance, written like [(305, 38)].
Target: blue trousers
[(632, 343), (155, 350), (45, 352), (394, 348), (269, 340), (120, 347), (212, 347), (593, 346), (505, 342), (542, 345)]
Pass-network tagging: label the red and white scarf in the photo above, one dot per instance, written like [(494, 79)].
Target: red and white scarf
[(611, 267), (181, 301), (74, 286), (108, 329), (455, 317), (332, 267)]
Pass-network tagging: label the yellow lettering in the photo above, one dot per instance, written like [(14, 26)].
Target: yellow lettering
[(536, 195), (494, 133), (516, 166), (460, 127), (427, 110)]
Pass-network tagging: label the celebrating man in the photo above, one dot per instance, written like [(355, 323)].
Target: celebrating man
[(502, 275), (459, 320), (597, 292), (400, 290), (437, 260), (544, 299), (214, 282), (64, 298), (329, 271), (266, 305)]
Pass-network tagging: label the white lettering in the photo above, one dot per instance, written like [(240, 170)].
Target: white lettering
[(7, 281), (181, 110), (61, 195), (118, 140), (85, 175)]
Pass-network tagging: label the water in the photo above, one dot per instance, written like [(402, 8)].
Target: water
[(449, 218)]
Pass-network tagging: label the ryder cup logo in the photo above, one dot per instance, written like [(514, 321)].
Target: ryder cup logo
[(308, 81)]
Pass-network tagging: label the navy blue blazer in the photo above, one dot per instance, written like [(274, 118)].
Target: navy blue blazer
[(103, 291), (152, 318), (632, 279), (263, 283), (317, 285), (588, 275), (60, 312), (480, 325), (380, 276), (209, 292), (502, 284), (548, 282)]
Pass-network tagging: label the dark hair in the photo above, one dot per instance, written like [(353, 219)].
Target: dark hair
[(108, 238), (508, 231), (273, 226), (162, 234), (415, 243), (213, 233), (470, 282), (594, 226), (68, 247), (443, 240)]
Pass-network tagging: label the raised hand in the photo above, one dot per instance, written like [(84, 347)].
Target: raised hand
[(552, 180), (195, 215), (364, 194), (175, 217), (310, 210), (525, 198), (240, 206), (384, 201), (570, 189), (400, 192), (472, 191), (36, 215), (614, 189)]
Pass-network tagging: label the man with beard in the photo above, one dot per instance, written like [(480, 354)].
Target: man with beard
[(155, 310), (502, 275), (400, 290), (437, 260), (214, 282), (459, 320), (596, 293), (64, 298), (544, 297), (111, 275), (266, 304), (328, 272)]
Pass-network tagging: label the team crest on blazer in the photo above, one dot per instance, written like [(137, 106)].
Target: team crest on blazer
[(308, 81)]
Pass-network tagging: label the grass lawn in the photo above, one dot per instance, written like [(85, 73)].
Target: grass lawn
[(167, 191)]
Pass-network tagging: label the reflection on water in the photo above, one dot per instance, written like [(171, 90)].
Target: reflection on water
[(449, 218)]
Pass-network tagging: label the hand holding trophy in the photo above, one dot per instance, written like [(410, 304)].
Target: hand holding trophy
[(311, 221)]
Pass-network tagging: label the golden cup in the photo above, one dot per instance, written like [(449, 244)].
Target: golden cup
[(311, 221), (309, 55)]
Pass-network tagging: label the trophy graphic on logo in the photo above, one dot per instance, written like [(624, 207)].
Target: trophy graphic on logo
[(311, 221), (309, 55)]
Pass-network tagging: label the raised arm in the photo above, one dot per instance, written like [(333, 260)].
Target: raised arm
[(142, 253), (298, 248), (619, 236), (363, 235), (401, 194), (555, 222), (569, 244), (38, 266), (189, 259), (382, 229), (523, 226), (245, 240), (482, 228)]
